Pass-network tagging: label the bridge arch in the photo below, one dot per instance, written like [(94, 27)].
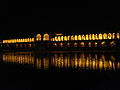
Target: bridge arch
[(38, 37), (46, 37)]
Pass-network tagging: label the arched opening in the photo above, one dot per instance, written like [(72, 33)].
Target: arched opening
[(93, 37), (100, 36), (118, 35), (38, 37), (75, 44), (54, 44), (96, 36), (89, 44), (68, 37), (83, 37), (56, 38), (87, 37), (46, 37), (104, 36), (61, 38), (29, 45), (16, 45), (76, 38), (96, 44), (61, 44), (72, 38), (82, 44), (79, 37), (65, 38), (113, 35), (109, 36), (68, 44)]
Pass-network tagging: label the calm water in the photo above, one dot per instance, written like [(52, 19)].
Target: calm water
[(83, 70)]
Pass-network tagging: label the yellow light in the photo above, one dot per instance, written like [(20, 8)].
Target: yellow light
[(113, 36), (86, 36), (100, 36), (75, 44), (96, 36), (32, 39), (93, 37), (72, 38), (38, 37), (59, 34), (61, 38), (56, 39), (109, 35), (83, 37), (89, 36), (68, 37), (104, 36), (76, 37), (118, 36), (65, 38), (46, 37), (79, 37)]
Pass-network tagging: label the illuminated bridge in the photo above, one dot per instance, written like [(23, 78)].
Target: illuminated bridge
[(48, 41)]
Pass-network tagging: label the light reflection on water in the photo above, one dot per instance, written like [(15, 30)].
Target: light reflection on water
[(63, 60)]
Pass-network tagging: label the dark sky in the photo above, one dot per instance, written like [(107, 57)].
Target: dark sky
[(91, 17)]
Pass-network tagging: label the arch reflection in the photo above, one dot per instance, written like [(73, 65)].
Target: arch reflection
[(77, 60)]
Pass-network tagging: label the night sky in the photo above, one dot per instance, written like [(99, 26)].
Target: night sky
[(21, 19)]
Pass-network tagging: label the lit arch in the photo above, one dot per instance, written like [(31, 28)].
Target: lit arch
[(109, 36), (75, 44), (79, 37), (104, 36), (118, 35), (46, 37), (96, 37), (72, 37), (87, 37), (100, 36), (83, 37), (38, 37), (76, 38), (93, 37)]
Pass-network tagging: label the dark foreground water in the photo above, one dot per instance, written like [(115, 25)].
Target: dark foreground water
[(60, 71)]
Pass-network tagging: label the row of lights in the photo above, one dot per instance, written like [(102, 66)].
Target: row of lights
[(87, 37), (19, 40)]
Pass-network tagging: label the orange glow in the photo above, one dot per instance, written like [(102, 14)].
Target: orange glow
[(72, 38), (65, 38), (76, 37), (93, 37), (83, 37), (59, 34), (61, 38), (100, 36), (104, 36), (87, 38), (79, 37), (109, 36), (118, 35), (46, 37), (38, 37), (113, 36), (90, 37)]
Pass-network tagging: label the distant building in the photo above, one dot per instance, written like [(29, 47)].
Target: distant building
[(50, 41)]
